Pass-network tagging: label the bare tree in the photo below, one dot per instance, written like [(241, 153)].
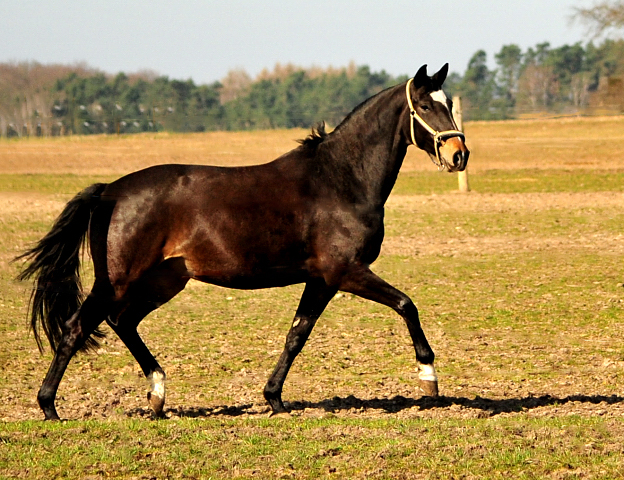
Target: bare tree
[(536, 86), (235, 83), (26, 98), (579, 89), (602, 18)]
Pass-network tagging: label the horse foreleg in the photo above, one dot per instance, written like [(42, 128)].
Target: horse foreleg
[(366, 284), (76, 331), (315, 298)]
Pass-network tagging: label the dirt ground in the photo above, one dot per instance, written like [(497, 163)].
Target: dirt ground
[(504, 204)]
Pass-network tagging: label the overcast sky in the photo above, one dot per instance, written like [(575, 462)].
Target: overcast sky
[(203, 40)]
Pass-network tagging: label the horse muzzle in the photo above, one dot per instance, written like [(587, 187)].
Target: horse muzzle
[(454, 154)]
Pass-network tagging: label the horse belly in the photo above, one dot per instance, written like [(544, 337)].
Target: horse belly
[(257, 254), (250, 270)]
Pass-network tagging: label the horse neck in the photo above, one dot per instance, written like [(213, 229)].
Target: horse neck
[(370, 145)]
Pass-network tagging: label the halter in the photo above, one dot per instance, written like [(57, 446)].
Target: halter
[(438, 137)]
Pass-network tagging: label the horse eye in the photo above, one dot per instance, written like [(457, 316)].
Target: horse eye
[(425, 108)]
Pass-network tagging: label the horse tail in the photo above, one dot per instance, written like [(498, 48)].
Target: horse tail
[(55, 267)]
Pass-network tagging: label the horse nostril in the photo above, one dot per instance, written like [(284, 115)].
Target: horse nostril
[(458, 159)]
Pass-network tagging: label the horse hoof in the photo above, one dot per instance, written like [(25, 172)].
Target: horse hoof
[(50, 414), (156, 403), (429, 388), (283, 414)]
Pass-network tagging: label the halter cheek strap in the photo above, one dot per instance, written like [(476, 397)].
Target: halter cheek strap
[(438, 137)]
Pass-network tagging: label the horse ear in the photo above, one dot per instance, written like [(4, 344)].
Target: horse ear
[(438, 78), (421, 78)]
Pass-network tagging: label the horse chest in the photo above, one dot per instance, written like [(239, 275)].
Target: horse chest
[(349, 235)]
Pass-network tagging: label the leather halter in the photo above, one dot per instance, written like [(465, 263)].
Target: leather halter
[(438, 137)]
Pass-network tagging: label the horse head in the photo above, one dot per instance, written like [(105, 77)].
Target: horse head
[(432, 127)]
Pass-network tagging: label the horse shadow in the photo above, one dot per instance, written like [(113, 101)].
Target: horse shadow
[(484, 406)]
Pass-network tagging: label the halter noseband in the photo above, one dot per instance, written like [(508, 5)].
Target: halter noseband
[(438, 137)]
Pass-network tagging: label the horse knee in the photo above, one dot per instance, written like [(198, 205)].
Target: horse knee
[(406, 308)]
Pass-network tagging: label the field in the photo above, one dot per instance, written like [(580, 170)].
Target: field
[(519, 284)]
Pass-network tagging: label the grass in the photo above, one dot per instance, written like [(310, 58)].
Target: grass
[(408, 183), (513, 181), (63, 184), (519, 289), (320, 448)]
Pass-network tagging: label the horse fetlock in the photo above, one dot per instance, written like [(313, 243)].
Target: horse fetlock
[(46, 398), (273, 396), (49, 411)]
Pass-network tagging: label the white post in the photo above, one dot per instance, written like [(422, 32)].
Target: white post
[(462, 177)]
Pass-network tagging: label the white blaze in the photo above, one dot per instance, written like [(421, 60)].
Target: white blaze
[(439, 96)]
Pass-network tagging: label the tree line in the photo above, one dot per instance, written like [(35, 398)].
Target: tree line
[(58, 100), (567, 79), (40, 99)]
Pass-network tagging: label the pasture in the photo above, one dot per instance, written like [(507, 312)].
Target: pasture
[(519, 285)]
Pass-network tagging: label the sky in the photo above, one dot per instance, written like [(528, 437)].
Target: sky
[(203, 40)]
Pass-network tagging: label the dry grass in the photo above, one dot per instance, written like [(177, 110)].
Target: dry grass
[(548, 144), (567, 143), (118, 155)]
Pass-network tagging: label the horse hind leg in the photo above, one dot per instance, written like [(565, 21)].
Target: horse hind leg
[(76, 331), (126, 329), (315, 298), (148, 363), (158, 286)]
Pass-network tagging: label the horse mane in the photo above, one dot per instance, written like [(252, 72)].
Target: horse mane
[(318, 134), (316, 137), (361, 107)]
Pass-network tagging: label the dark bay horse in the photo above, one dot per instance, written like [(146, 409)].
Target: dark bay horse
[(313, 216)]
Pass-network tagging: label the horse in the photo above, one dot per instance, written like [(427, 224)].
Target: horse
[(314, 215)]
